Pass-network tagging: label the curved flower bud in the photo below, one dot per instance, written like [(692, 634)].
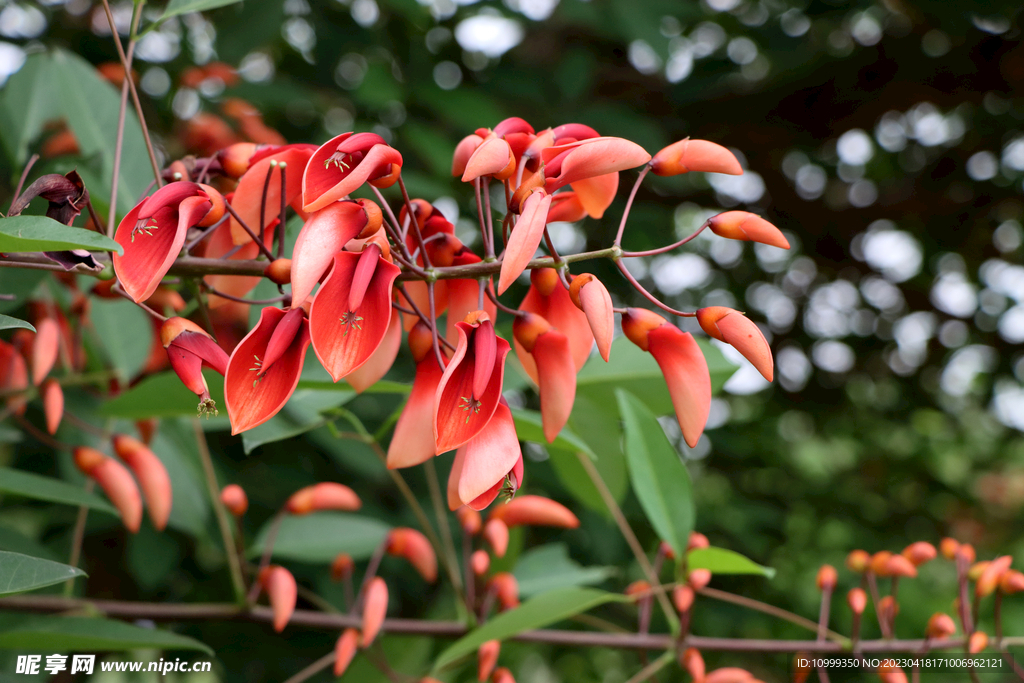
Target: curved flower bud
[(734, 328), (550, 300), (234, 159), (506, 589), (730, 674), (381, 360), (827, 578), (189, 348), (13, 376), (887, 609), (463, 151), (857, 561), (413, 440), (696, 541), (253, 390), (525, 238), (857, 599), (496, 535), (920, 552), (470, 387), (53, 404), (487, 659), (494, 158), (966, 553), (325, 234), (948, 547), (265, 169), (234, 499), (698, 578), (639, 590), (590, 296), (940, 626), (342, 164), (282, 592), (749, 227), (480, 562), (375, 608), (414, 547), (695, 155), (977, 642), (682, 598), (487, 464), (152, 477), (502, 675), (889, 673), (327, 495), (575, 161), (898, 565), (692, 663), (682, 364), (45, 345), (879, 564), (153, 233), (115, 481), (556, 372), (345, 650), (352, 311), (469, 520), (989, 579), (535, 511), (1011, 582)]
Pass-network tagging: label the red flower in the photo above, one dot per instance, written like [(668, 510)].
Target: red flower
[(550, 300), (682, 364), (248, 197), (470, 389), (590, 296), (413, 440), (525, 238), (153, 233), (487, 464), (264, 368), (341, 165), (352, 310), (556, 372), (189, 348)]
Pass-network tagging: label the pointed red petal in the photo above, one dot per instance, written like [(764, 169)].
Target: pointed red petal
[(284, 334), (557, 375), (323, 182), (525, 238), (53, 404), (485, 348), (344, 338), (381, 360), (323, 236), (249, 193), (201, 345), (152, 477), (413, 440), (189, 369), (695, 155), (594, 157), (365, 267), (490, 157), (558, 309), (489, 456), (566, 206), (148, 254), (597, 306), (454, 502), (596, 194), (464, 298), (746, 337), (375, 608), (687, 376), (44, 349), (463, 151), (254, 398)]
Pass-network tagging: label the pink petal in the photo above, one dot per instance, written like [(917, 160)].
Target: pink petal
[(742, 333), (525, 238), (597, 194), (686, 373), (490, 455), (413, 440)]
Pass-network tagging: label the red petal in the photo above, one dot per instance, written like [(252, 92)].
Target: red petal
[(148, 256), (13, 376), (485, 348), (489, 456), (209, 352), (284, 334), (463, 151), (324, 183), (597, 306), (525, 238), (53, 404), (249, 193), (120, 488), (413, 440), (559, 310), (464, 298), (342, 338), (687, 376), (747, 338), (365, 267), (169, 195), (44, 349), (253, 398), (189, 369), (490, 157), (152, 477), (566, 206), (323, 236), (367, 374), (557, 375), (594, 157), (596, 194)]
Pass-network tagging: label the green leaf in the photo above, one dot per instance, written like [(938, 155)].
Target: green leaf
[(27, 102), (659, 478), (18, 483), (20, 573), (39, 233), (548, 567), (529, 427), (598, 427), (163, 395), (9, 323), (537, 612), (17, 542), (78, 634), (320, 536), (125, 332), (382, 387), (176, 7), (302, 413), (722, 561)]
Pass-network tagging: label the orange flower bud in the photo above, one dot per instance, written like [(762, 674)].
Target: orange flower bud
[(115, 481), (697, 541), (730, 674), (374, 218), (487, 659), (469, 520), (282, 592), (699, 578), (506, 588), (502, 675), (827, 578), (341, 566), (858, 560), (345, 650), (683, 597), (544, 280), (940, 626), (638, 589), (234, 499), (152, 476), (692, 663), (375, 607), (857, 599), (234, 160), (888, 608), (326, 495), (749, 227), (739, 331), (801, 667), (977, 642), (496, 535), (975, 571), (919, 553), (948, 547), (898, 565), (637, 323), (695, 155), (1011, 582), (966, 551), (279, 271), (44, 349), (217, 210), (535, 511), (879, 563), (480, 561), (53, 404), (890, 673), (993, 574), (591, 297), (414, 547)]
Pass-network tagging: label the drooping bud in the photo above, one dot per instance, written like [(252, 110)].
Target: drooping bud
[(590, 296), (152, 476), (282, 592), (749, 227), (692, 663), (827, 578), (857, 599), (737, 330), (699, 578), (695, 155), (469, 520), (977, 569), (115, 481), (53, 404), (888, 608), (480, 562), (948, 547), (506, 589), (879, 563), (147, 429), (977, 642), (326, 495), (189, 348), (535, 511), (416, 549), (697, 541), (1011, 582), (919, 553), (898, 565), (44, 349), (487, 659), (858, 560), (496, 535), (993, 574), (342, 566), (940, 626), (234, 499), (502, 675), (638, 589), (966, 551), (375, 607), (345, 650), (682, 598)]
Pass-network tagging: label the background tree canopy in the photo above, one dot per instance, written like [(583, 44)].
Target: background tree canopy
[(886, 139)]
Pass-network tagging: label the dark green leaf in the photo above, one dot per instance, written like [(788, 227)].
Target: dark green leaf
[(722, 561), (86, 634), (164, 395), (176, 7), (125, 332), (9, 323), (302, 413), (20, 573), (537, 612), (598, 427), (659, 478), (529, 427), (548, 567), (320, 536), (17, 542), (27, 102), (39, 233), (18, 483)]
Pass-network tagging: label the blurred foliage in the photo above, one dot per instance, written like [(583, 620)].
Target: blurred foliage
[(886, 138)]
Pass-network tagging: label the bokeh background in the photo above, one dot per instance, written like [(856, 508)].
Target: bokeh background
[(885, 138)]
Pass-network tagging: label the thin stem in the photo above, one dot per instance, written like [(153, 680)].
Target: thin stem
[(204, 312), (467, 555), (489, 254), (263, 204), (395, 231), (313, 669), (423, 318), (500, 306), (488, 247), (415, 223), (204, 234), (122, 114), (631, 539), (826, 603), (652, 668), (764, 607), (650, 297), (77, 537), (41, 436), (21, 181), (371, 571), (117, 290), (662, 250), (268, 551), (629, 204), (218, 508), (441, 513), (433, 325), (282, 224), (245, 226), (238, 299)]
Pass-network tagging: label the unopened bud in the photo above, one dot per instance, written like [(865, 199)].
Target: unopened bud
[(152, 477), (323, 496), (879, 564), (801, 667), (502, 675), (898, 565), (506, 588), (345, 650), (966, 551), (857, 599), (414, 547), (535, 511), (1011, 582), (977, 642), (919, 553), (940, 626), (827, 578), (282, 592), (948, 547), (480, 561), (279, 271), (888, 608), (234, 499), (638, 589), (53, 404), (487, 659), (682, 598), (496, 535), (692, 663), (858, 560), (989, 580), (115, 481), (375, 608), (697, 541), (699, 578)]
